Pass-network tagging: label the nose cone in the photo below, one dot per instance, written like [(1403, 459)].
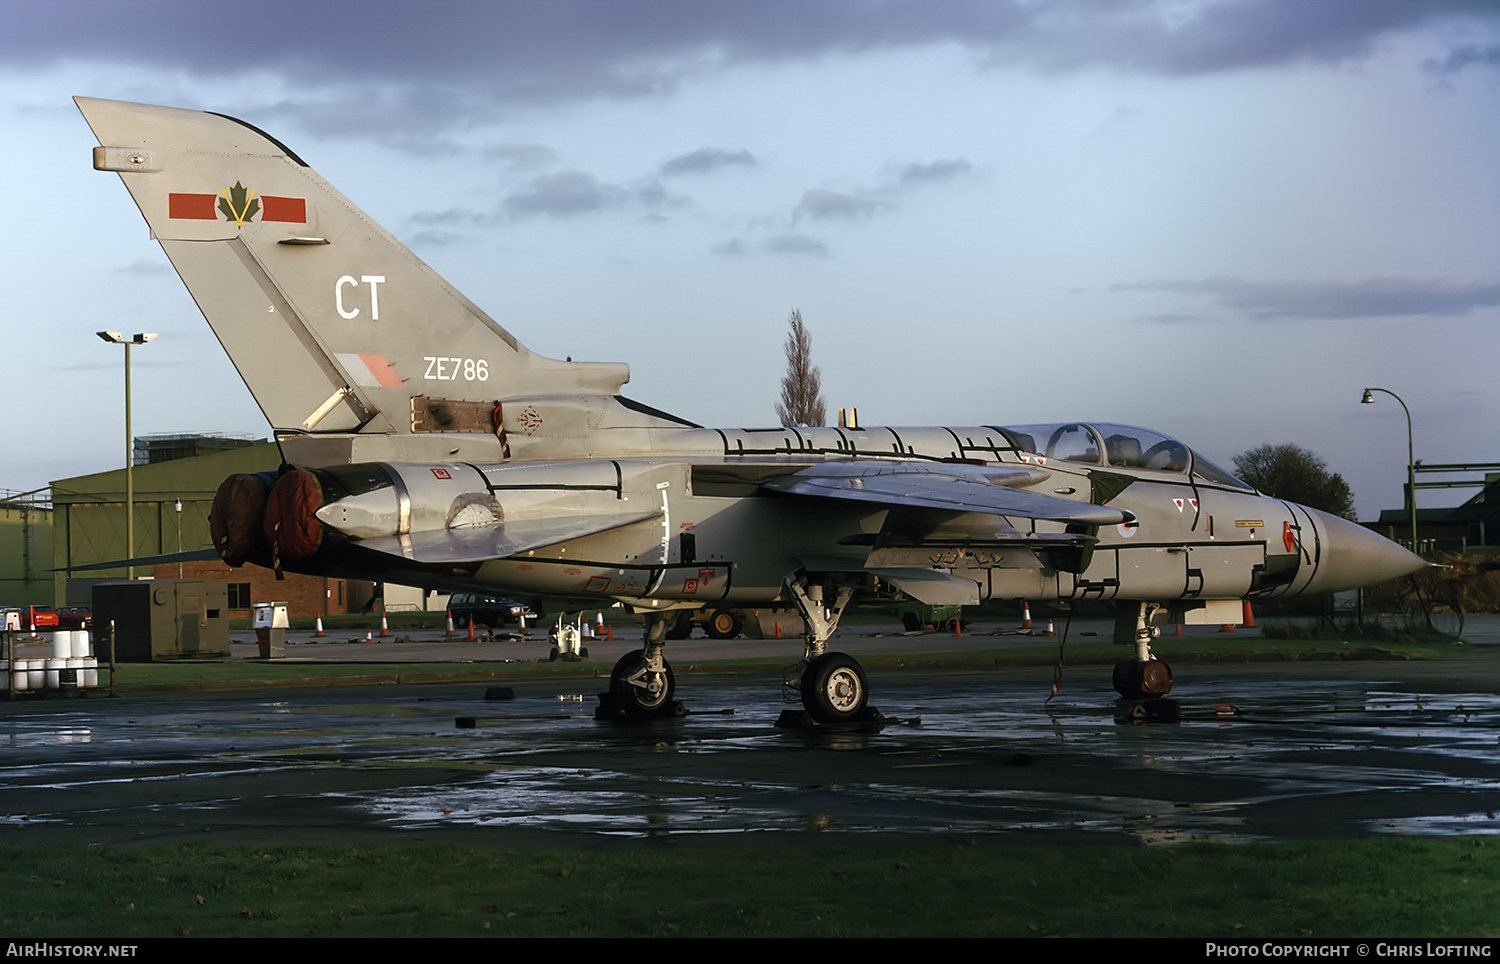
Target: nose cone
[(1352, 556)]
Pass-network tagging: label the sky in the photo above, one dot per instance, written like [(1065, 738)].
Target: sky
[(1219, 219)]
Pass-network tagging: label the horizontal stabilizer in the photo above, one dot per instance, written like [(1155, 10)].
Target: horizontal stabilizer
[(952, 487), (468, 544), (165, 559)]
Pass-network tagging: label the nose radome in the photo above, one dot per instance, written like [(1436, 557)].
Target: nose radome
[(1353, 556)]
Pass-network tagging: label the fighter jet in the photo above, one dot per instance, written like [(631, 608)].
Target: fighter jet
[(423, 444)]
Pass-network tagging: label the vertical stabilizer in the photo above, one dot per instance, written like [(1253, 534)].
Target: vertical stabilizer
[(333, 324)]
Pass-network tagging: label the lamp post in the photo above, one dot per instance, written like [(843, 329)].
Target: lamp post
[(1411, 470), (140, 338)]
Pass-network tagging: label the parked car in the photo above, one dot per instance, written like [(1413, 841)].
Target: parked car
[(74, 617), (467, 607), (38, 617)]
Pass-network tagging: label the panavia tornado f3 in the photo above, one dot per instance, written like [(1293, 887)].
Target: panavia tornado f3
[(423, 444)]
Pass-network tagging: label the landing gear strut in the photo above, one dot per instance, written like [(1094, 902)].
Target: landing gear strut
[(641, 685), (832, 685), (1145, 676)]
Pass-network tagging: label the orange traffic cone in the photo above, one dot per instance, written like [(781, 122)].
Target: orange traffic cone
[(1050, 630), (451, 631), (1025, 614), (319, 631), (1249, 616), (384, 629), (369, 637), (471, 629)]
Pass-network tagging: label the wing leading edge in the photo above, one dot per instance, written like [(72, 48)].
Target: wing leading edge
[(950, 487)]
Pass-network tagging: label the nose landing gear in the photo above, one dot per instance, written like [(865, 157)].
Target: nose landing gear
[(1144, 677)]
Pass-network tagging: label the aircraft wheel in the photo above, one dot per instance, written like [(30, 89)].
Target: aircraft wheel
[(681, 627), (638, 692), (834, 689), (724, 624), (1136, 680), (911, 622)]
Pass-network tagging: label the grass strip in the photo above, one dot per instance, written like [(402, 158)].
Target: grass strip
[(1379, 887)]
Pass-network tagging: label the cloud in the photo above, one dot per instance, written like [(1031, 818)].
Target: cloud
[(461, 61), (706, 160), (521, 157), (1367, 298), (820, 205), (1462, 56), (560, 194), (563, 194), (438, 238), (149, 268), (931, 172), (794, 245)]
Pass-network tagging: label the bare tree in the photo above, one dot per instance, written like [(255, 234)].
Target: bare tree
[(802, 386)]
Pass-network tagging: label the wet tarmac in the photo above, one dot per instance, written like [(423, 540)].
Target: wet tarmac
[(1253, 752)]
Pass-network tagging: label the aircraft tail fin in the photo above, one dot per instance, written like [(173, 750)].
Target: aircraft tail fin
[(332, 323)]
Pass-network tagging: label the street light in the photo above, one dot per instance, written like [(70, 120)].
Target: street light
[(1411, 470), (140, 338)]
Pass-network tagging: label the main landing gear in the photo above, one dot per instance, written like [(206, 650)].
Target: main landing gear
[(832, 685), (641, 685), (1145, 676)]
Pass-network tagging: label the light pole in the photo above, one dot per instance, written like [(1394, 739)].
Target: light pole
[(140, 338), (1411, 465)]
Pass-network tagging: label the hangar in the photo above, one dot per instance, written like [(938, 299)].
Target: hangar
[(175, 481)]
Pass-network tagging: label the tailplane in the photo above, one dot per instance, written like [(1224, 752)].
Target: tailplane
[(334, 325)]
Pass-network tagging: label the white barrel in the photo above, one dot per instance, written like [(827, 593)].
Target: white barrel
[(81, 644), (36, 674), (89, 675), (22, 677), (54, 672), (62, 644)]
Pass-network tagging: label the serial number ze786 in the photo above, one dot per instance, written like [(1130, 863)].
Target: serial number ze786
[(443, 368)]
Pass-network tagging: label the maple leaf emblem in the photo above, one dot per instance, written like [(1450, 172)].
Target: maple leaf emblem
[(238, 204)]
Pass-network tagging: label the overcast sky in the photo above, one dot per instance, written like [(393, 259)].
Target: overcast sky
[(1220, 219)]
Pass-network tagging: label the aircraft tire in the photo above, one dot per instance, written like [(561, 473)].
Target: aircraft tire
[(681, 627), (1136, 680), (911, 622), (635, 701), (834, 689), (724, 624)]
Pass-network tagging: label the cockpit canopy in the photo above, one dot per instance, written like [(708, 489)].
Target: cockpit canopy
[(1122, 446)]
